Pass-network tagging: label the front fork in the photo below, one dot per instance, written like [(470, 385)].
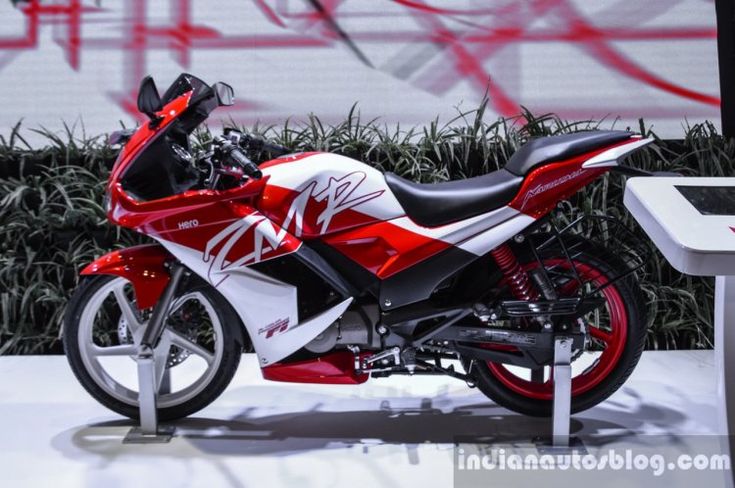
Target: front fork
[(157, 321)]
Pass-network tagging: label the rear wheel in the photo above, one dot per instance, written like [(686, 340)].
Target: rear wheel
[(196, 357), (616, 331)]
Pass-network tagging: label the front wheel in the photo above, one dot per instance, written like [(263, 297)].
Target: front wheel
[(617, 332), (196, 357)]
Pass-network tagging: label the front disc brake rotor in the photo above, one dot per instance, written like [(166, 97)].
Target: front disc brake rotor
[(180, 321)]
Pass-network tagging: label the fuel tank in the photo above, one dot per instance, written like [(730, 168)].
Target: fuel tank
[(317, 194)]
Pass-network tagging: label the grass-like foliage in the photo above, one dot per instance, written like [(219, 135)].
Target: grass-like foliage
[(52, 223)]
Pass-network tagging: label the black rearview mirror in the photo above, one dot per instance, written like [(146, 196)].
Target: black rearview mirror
[(149, 101), (224, 92)]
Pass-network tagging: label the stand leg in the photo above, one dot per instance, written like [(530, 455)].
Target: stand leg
[(148, 381), (149, 432), (147, 394), (725, 362), (562, 406)]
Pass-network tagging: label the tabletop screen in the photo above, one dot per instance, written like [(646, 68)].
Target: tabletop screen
[(710, 200)]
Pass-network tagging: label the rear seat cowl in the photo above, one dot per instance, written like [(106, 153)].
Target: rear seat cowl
[(557, 148)]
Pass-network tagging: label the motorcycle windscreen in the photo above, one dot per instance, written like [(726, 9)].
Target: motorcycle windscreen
[(159, 171)]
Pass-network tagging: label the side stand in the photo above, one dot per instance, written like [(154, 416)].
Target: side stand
[(149, 432)]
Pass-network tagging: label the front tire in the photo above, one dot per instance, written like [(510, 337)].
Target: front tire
[(100, 345), (623, 337)]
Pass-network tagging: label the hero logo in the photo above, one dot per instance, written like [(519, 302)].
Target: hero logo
[(552, 184), (188, 224), (277, 327)]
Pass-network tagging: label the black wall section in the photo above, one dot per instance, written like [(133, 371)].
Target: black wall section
[(726, 54)]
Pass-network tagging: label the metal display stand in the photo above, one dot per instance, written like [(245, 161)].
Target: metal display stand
[(149, 431), (149, 382), (149, 386), (562, 400)]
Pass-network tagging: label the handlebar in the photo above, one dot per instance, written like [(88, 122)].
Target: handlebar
[(233, 154), (254, 143)]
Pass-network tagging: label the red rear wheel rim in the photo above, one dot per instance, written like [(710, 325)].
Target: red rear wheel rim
[(613, 340)]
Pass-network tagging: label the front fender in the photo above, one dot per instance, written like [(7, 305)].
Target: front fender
[(144, 266)]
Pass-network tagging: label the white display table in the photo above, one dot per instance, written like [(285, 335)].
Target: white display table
[(692, 222)]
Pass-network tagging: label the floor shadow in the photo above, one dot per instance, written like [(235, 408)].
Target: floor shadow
[(331, 422)]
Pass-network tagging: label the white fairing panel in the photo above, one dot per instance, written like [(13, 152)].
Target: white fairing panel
[(337, 176), (611, 156), (478, 234), (266, 306), (490, 239)]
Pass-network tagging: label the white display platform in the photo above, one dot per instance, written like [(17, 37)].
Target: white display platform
[(692, 222), (388, 432), (694, 243)]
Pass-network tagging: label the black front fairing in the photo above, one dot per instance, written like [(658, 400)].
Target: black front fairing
[(157, 172)]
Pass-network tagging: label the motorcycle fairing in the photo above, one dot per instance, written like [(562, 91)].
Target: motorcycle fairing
[(218, 241), (337, 368), (147, 133), (266, 306)]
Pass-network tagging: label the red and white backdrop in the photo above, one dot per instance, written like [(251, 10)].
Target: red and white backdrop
[(405, 61)]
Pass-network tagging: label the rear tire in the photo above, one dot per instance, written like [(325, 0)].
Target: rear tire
[(630, 312)]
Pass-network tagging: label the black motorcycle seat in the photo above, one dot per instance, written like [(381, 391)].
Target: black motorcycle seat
[(437, 204), (556, 148)]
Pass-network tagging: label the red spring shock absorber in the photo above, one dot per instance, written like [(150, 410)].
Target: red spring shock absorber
[(517, 278)]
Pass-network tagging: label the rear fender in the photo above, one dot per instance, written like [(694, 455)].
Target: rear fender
[(144, 266)]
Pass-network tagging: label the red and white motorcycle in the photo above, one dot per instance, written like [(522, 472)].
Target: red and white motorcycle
[(333, 272)]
